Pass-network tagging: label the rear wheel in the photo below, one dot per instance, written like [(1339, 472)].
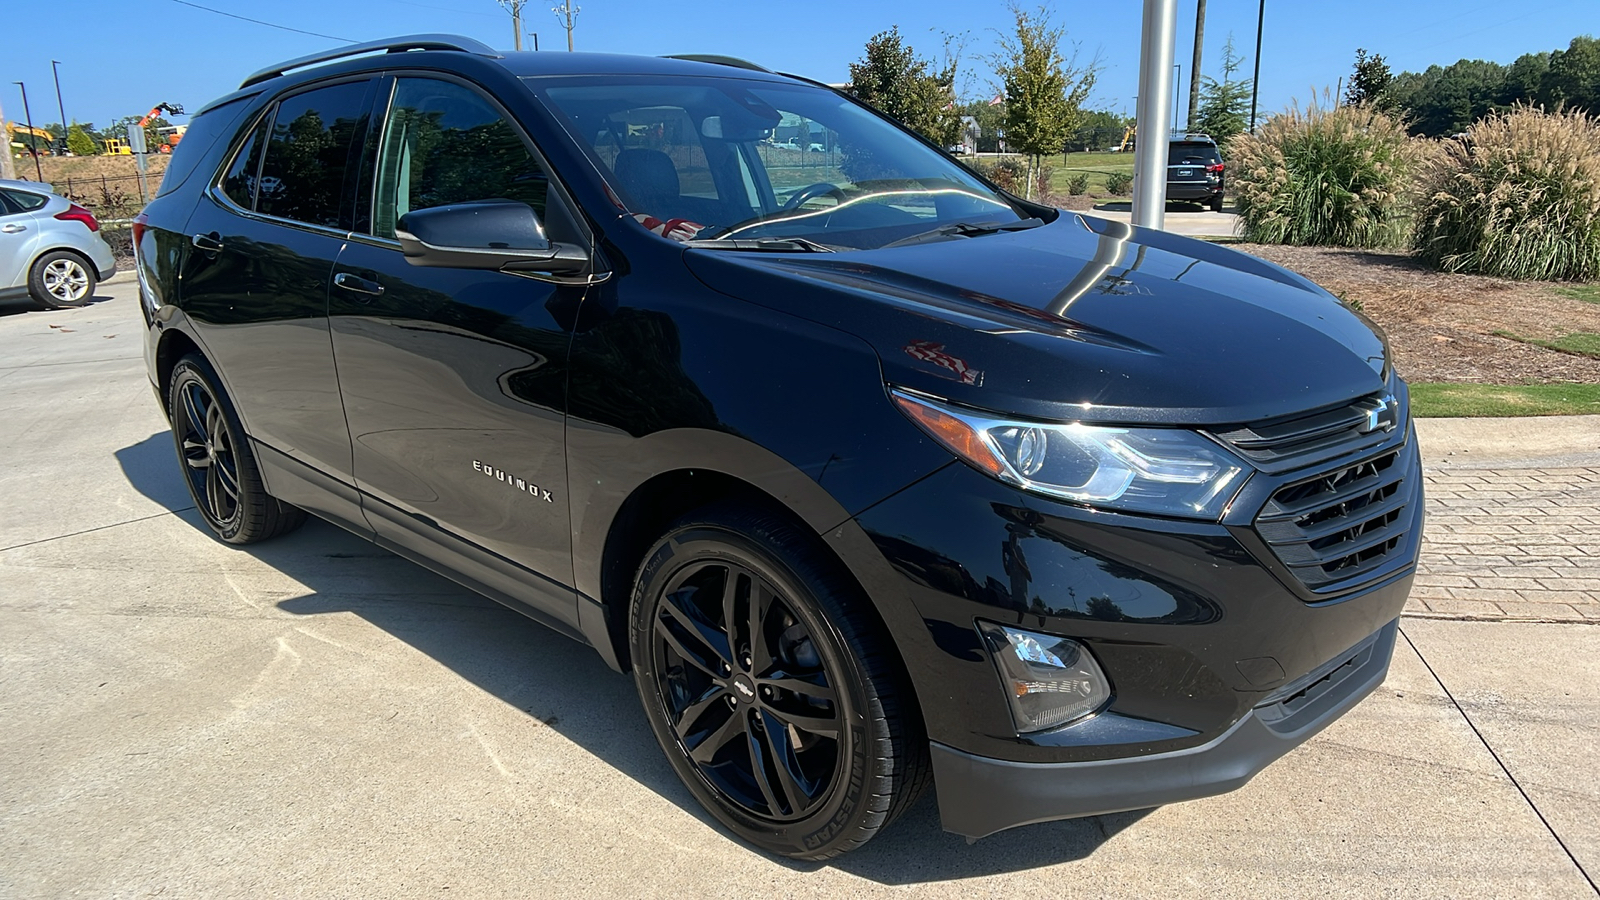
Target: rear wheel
[(218, 465), (61, 280), (769, 687), (1216, 203)]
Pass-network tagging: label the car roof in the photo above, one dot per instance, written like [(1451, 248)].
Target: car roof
[(35, 187)]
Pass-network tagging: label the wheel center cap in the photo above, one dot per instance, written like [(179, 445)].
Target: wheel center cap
[(744, 688)]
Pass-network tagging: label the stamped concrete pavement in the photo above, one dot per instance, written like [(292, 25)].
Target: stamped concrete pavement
[(313, 716)]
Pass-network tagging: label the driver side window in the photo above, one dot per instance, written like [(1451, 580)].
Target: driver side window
[(444, 143)]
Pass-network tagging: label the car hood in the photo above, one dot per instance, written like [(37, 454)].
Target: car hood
[(1082, 319)]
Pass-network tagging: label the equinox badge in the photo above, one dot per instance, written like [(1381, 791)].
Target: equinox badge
[(512, 481)]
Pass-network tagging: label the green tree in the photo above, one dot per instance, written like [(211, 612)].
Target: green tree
[(1225, 104), (1445, 100), (991, 118), (892, 79), (1573, 78), (1044, 89), (79, 143), (1369, 80), (1101, 128)]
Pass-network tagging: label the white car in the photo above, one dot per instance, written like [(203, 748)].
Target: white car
[(50, 247)]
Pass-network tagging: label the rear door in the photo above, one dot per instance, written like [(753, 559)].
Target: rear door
[(455, 380), (19, 235), (263, 240)]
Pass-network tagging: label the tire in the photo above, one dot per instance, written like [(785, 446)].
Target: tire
[(1216, 203), (217, 463), (821, 689), (61, 280)]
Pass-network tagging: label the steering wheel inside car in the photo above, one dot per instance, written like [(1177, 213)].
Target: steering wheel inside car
[(812, 192)]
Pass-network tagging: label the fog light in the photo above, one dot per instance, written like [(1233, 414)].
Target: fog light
[(1048, 680)]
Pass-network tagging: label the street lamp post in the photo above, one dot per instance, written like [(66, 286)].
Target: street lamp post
[(60, 107), (27, 116), (1155, 127)]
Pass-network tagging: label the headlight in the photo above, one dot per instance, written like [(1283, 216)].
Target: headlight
[(1166, 471), (1049, 680)]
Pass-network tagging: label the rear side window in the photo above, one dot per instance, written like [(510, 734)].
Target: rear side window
[(444, 143), (202, 134), (302, 174), (240, 182), (24, 201)]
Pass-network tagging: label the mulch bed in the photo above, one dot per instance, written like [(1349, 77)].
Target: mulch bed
[(1442, 327)]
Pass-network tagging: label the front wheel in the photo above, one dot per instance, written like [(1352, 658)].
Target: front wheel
[(61, 280), (769, 686)]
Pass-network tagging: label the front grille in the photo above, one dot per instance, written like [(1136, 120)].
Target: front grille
[(1306, 439), (1338, 529)]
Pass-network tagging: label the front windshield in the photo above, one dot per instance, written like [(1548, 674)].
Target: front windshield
[(707, 158)]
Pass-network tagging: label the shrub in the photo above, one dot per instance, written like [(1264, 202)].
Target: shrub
[(1337, 177), (1518, 196), (1009, 173), (1078, 185), (1119, 183)]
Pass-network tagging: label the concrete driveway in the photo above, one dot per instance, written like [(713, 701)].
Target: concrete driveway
[(315, 717)]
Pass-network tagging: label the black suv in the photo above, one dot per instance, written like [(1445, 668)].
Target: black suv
[(1195, 171), (873, 476)]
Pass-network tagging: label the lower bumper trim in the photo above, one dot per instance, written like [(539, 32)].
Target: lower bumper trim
[(979, 796)]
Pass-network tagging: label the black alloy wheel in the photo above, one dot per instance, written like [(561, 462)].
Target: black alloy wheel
[(745, 690), (218, 466), (206, 446), (768, 686)]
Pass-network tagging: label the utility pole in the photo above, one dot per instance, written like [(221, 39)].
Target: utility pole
[(8, 170), (515, 8), (1194, 67), (60, 107), (1255, 82), (33, 146), (566, 12)]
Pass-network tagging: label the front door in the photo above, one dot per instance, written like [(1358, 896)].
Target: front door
[(455, 380)]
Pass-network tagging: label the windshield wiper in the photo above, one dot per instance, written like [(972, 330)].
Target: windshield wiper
[(771, 245), (964, 229)]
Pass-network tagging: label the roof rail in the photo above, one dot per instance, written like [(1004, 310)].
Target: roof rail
[(716, 60), (386, 45)]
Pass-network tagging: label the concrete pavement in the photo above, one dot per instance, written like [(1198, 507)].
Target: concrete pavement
[(313, 716)]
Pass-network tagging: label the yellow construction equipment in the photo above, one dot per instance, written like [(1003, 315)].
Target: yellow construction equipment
[(17, 128)]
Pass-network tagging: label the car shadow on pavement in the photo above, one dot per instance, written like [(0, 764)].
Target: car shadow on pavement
[(566, 686), (26, 305)]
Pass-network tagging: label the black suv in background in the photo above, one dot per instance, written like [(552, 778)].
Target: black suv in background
[(1195, 171), (873, 476)]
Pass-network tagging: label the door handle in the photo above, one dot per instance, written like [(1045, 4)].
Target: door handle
[(357, 284), (12, 228), (210, 243)]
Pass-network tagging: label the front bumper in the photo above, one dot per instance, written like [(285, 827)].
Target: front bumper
[(979, 796)]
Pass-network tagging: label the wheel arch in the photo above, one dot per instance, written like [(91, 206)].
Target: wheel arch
[(172, 346)]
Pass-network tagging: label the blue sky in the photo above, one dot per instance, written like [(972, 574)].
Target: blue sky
[(120, 58)]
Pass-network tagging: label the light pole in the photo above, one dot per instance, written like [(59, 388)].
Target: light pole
[(1155, 67), (566, 12), (59, 106), (1255, 81), (28, 117)]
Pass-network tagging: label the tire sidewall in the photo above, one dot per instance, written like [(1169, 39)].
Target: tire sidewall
[(846, 805), (190, 370), (50, 301)]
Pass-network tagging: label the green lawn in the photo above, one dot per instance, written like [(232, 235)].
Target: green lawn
[(1578, 343), (1440, 400), (1589, 293), (1097, 165)]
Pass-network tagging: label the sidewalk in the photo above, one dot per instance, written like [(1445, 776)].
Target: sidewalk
[(1511, 537)]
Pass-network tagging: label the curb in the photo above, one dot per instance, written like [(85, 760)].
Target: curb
[(1516, 442)]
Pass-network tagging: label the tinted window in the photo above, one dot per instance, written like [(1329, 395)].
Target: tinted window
[(24, 201), (240, 181), (6, 207), (202, 134), (302, 176), (444, 143), (1179, 154)]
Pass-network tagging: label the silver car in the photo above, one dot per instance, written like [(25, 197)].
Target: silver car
[(50, 247)]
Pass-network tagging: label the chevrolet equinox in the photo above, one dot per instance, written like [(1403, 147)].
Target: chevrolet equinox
[(874, 476)]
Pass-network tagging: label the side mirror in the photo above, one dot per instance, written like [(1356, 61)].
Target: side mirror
[(484, 234)]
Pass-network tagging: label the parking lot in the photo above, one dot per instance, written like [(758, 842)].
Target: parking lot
[(315, 717)]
